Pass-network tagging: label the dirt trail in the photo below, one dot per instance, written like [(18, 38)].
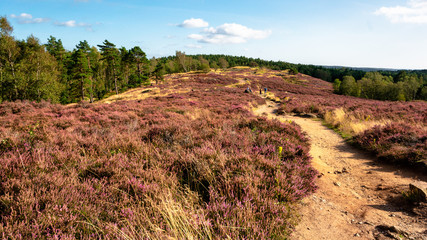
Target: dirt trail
[(357, 198)]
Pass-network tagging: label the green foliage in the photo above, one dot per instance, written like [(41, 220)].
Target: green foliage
[(293, 71), (349, 86), (374, 85), (5, 27), (27, 70), (337, 85)]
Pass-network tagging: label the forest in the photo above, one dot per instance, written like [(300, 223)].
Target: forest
[(31, 70)]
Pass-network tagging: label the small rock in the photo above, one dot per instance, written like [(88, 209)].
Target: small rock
[(418, 191), (369, 172), (357, 235), (309, 115), (392, 232), (338, 184)]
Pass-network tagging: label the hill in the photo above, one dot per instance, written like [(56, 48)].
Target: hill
[(185, 158)]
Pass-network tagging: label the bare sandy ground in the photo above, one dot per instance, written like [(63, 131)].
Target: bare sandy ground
[(358, 198)]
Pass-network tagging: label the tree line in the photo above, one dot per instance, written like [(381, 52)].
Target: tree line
[(374, 85), (381, 85), (34, 71)]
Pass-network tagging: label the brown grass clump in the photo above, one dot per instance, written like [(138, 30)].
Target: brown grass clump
[(349, 124)]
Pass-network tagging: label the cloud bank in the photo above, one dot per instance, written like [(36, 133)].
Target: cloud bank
[(194, 23), (225, 33), (25, 18), (414, 12), (73, 23)]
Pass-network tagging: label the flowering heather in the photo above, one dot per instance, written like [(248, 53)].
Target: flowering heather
[(301, 94), (304, 94), (191, 165), (395, 142)]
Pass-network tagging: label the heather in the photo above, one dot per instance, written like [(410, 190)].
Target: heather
[(398, 143), (194, 164), (301, 94)]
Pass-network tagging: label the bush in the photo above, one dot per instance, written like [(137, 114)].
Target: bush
[(399, 143)]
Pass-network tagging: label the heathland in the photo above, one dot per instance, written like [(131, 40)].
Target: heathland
[(173, 148), (185, 158)]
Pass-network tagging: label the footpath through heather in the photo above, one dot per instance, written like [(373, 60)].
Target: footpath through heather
[(358, 198)]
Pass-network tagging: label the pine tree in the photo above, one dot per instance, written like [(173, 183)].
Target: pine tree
[(111, 56)]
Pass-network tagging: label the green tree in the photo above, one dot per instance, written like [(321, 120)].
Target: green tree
[(336, 85), (411, 86), (183, 61), (55, 48), (349, 86), (9, 53), (140, 59), (294, 71), (111, 56), (159, 71), (222, 63), (367, 89), (80, 71), (38, 75), (204, 64)]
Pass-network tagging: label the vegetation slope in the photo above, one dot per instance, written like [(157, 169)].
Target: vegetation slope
[(182, 159), (194, 163)]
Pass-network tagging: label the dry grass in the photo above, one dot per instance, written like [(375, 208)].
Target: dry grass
[(272, 97), (350, 124), (180, 209), (143, 93), (198, 113)]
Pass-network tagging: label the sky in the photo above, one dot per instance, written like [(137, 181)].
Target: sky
[(355, 33)]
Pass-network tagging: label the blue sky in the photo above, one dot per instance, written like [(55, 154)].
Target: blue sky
[(359, 33)]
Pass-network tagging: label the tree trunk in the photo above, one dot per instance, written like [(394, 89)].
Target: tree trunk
[(91, 90), (115, 81), (139, 69), (82, 88), (91, 81)]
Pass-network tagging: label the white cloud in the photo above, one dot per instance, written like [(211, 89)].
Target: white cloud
[(414, 12), (194, 23), (73, 23), (25, 18), (229, 33)]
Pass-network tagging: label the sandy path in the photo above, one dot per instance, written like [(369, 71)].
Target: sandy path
[(356, 195)]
